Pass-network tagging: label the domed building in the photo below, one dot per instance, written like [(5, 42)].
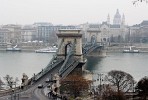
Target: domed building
[(115, 32), (117, 18)]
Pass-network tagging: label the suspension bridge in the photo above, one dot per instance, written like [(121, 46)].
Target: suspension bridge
[(70, 57)]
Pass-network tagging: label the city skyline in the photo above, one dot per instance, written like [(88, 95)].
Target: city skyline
[(70, 12)]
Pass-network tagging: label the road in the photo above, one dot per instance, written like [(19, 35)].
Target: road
[(34, 93)]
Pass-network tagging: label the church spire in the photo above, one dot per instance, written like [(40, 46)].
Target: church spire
[(108, 19), (123, 19)]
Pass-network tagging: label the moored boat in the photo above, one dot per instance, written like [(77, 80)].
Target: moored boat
[(47, 50), (130, 49), (15, 48)]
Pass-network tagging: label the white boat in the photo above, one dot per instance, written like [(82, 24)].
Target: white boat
[(130, 49), (47, 50), (15, 48)]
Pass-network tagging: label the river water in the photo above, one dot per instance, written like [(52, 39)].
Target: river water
[(135, 64), (17, 63)]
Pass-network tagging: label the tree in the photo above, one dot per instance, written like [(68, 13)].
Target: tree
[(75, 84), (142, 88), (1, 84), (110, 94), (136, 1), (9, 80), (121, 81)]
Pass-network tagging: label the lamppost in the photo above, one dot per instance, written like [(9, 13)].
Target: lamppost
[(14, 95), (100, 84), (133, 84), (12, 90)]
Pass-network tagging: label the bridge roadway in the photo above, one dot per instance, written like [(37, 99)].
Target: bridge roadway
[(34, 93)]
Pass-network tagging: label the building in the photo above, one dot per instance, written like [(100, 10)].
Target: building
[(44, 31), (117, 18), (139, 32), (115, 32), (28, 33), (14, 36), (4, 36)]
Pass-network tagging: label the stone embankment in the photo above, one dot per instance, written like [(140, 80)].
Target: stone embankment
[(143, 48), (115, 48), (29, 48), (26, 49)]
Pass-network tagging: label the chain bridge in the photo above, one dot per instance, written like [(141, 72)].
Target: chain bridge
[(71, 52), (69, 58)]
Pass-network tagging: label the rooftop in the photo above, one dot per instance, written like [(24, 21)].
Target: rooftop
[(144, 23)]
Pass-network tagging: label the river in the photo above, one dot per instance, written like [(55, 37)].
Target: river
[(17, 63), (135, 64)]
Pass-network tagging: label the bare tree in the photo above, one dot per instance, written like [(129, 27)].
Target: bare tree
[(1, 84), (9, 81), (142, 88), (136, 1), (121, 81), (75, 84), (109, 93)]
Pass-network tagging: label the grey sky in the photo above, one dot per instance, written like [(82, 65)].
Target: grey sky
[(69, 11)]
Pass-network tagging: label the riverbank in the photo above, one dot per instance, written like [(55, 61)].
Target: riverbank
[(114, 48), (143, 48), (120, 49), (26, 48)]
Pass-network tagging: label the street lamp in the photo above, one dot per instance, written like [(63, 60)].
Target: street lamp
[(100, 79), (12, 90)]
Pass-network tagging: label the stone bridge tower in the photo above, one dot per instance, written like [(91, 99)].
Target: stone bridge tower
[(68, 37), (94, 35)]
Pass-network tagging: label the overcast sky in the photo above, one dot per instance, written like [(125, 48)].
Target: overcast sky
[(69, 12)]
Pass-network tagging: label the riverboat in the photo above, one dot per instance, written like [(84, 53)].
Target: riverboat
[(15, 48), (47, 50), (130, 49)]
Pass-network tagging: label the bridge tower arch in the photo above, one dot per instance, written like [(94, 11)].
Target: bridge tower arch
[(93, 34), (67, 48), (67, 38)]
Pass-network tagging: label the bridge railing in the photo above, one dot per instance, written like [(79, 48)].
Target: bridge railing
[(89, 47), (53, 62), (69, 68), (66, 64)]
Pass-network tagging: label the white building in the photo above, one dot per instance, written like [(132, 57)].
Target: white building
[(4, 36), (139, 32), (14, 35), (28, 33)]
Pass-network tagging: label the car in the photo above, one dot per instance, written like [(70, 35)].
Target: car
[(47, 80), (40, 86)]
